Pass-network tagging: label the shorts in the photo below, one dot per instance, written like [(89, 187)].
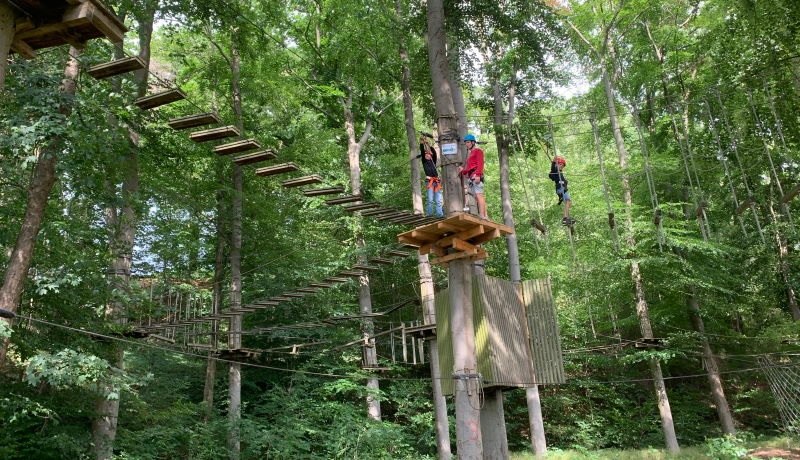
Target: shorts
[(563, 194), (475, 187)]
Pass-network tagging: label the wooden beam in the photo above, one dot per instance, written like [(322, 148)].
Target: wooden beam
[(193, 121), (23, 49)]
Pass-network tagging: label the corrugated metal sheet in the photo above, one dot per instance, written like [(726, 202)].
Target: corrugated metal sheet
[(502, 342), (545, 341), (504, 318)]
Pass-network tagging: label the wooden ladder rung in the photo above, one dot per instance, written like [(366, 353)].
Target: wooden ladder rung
[(157, 100), (118, 67), (193, 121)]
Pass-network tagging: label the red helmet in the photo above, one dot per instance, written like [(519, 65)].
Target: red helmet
[(560, 160)]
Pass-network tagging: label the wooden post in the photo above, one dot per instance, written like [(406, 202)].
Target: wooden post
[(468, 433)]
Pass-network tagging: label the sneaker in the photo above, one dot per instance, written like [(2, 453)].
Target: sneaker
[(560, 200), (466, 208)]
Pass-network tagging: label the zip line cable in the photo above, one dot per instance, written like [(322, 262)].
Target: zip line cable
[(333, 375)]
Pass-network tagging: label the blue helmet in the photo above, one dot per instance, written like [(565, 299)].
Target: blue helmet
[(470, 137)]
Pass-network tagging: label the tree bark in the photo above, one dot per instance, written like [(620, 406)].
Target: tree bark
[(235, 340), (216, 301), (468, 432), (354, 146), (7, 30), (642, 310), (104, 423), (423, 263), (42, 181), (712, 368)]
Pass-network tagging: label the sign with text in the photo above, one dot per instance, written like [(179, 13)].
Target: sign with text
[(449, 149)]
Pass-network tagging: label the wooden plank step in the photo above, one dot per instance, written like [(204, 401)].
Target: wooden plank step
[(300, 181), (336, 279), (323, 191), (193, 121), (277, 169), (294, 294), (266, 303), (237, 147), (255, 157), (378, 212), (397, 253), (361, 207), (394, 215), (281, 298), (114, 68), (381, 260), (214, 134), (351, 273), (157, 100), (309, 290), (364, 267), (343, 200), (321, 285), (405, 217)]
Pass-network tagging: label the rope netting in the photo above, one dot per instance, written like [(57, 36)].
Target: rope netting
[(784, 381)]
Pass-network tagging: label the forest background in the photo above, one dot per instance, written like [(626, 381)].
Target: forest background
[(139, 217)]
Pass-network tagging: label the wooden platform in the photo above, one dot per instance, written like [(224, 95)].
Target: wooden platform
[(239, 354), (461, 232), (114, 68), (237, 147), (45, 24), (254, 157), (277, 169), (424, 331), (193, 121), (157, 100), (301, 181), (323, 191), (214, 134)]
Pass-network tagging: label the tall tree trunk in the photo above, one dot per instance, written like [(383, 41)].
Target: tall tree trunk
[(712, 368), (235, 341), (642, 310), (216, 300), (104, 423), (354, 146), (423, 263), (783, 265), (41, 184), (7, 30), (468, 432)]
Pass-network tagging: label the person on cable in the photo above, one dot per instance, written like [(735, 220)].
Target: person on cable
[(473, 173), (562, 187), (433, 184)]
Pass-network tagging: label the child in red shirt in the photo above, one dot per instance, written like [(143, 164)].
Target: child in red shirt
[(473, 172)]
